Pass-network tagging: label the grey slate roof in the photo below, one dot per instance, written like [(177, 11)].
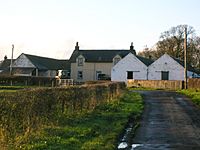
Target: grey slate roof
[(98, 55), (44, 63), (104, 55), (146, 61)]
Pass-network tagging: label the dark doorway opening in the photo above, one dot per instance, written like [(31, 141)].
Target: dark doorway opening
[(164, 75)]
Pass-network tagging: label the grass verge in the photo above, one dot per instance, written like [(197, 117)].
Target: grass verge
[(96, 130), (193, 94)]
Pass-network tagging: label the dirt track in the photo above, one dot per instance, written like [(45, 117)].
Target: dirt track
[(170, 121)]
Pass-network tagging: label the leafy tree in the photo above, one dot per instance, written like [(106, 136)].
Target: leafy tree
[(172, 42)]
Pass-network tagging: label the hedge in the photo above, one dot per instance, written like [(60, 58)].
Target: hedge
[(25, 111), (27, 80)]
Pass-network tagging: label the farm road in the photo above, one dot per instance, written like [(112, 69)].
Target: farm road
[(170, 121)]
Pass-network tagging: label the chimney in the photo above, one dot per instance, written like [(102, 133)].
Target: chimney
[(77, 47), (5, 57), (132, 49)]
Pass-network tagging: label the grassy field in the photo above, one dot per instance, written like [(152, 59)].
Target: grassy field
[(193, 94), (96, 130)]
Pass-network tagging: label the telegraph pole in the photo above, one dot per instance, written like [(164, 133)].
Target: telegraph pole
[(185, 58), (11, 62)]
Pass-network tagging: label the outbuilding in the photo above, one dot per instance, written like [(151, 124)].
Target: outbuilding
[(169, 68), (131, 67), (31, 65)]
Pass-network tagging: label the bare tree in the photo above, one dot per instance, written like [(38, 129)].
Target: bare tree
[(172, 42)]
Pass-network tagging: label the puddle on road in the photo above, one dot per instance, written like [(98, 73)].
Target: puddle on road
[(122, 145), (136, 145), (124, 141), (151, 146)]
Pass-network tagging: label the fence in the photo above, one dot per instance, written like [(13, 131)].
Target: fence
[(64, 82), (194, 83), (157, 84)]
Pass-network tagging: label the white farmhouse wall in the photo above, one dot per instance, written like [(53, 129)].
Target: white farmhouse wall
[(129, 63), (23, 61), (166, 63)]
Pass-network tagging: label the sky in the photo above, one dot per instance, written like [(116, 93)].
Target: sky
[(51, 28)]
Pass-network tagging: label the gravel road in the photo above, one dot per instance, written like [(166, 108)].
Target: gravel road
[(170, 121)]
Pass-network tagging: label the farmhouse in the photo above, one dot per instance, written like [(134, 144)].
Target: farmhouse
[(169, 68), (87, 65), (131, 67), (31, 65), (92, 65)]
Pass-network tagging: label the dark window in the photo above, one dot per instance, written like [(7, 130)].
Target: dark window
[(164, 75), (80, 75), (80, 61), (102, 76), (97, 74), (129, 74), (65, 74), (34, 72)]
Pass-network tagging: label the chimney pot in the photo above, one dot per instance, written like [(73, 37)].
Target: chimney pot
[(132, 49), (5, 57), (76, 47)]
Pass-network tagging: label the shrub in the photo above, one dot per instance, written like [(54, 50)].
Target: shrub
[(26, 111)]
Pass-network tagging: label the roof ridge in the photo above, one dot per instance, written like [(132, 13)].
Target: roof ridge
[(104, 50), (40, 56)]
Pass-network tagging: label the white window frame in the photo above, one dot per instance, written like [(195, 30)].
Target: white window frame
[(80, 61)]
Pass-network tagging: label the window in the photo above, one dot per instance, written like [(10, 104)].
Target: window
[(34, 72), (164, 75), (116, 60), (80, 61), (80, 75), (129, 74), (97, 74)]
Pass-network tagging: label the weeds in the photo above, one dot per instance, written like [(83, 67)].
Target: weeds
[(193, 94)]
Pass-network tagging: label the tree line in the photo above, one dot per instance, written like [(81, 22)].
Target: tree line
[(172, 43)]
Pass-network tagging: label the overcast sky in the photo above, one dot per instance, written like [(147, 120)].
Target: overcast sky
[(51, 28)]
